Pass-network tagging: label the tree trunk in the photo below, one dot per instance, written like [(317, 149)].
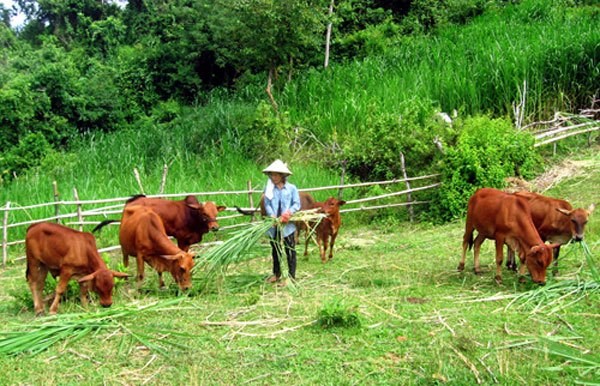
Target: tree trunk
[(268, 90)]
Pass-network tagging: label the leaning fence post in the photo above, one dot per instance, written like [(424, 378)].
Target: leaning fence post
[(5, 235), (250, 199), (163, 182), (139, 181), (56, 201), (340, 190), (79, 213), (411, 212)]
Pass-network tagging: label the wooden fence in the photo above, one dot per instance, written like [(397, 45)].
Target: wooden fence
[(79, 216)]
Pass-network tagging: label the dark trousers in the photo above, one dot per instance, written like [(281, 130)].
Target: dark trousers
[(290, 251)]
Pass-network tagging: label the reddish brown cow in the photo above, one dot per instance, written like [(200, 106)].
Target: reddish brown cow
[(69, 254), (328, 228), (142, 234), (505, 218), (556, 221), (186, 220)]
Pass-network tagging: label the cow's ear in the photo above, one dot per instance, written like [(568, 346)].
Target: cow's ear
[(535, 249), (221, 208), (170, 257), (564, 211), (89, 277), (119, 274), (342, 202)]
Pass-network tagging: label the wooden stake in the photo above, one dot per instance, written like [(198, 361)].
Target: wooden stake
[(411, 211), (163, 182), (328, 34), (79, 212), (250, 199), (5, 235), (56, 201), (139, 181)]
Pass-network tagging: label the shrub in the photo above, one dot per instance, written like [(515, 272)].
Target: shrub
[(338, 313), (486, 153)]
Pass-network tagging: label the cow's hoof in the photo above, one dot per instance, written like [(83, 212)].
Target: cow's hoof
[(522, 279), (498, 279), (461, 267), (477, 271), (555, 272)]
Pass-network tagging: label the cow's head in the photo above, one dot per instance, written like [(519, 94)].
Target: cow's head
[(578, 218), (102, 283), (181, 268), (332, 206), (538, 259), (211, 210)]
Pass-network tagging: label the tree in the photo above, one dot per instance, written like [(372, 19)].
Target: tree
[(267, 35)]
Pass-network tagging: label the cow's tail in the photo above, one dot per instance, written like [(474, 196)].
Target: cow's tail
[(244, 212), (103, 224)]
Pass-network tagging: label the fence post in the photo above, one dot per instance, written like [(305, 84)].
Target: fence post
[(340, 190), (163, 182), (5, 235), (250, 199), (139, 181), (56, 201), (79, 213), (411, 212)]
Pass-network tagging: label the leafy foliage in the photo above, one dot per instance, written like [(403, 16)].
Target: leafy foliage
[(486, 153), (338, 312)]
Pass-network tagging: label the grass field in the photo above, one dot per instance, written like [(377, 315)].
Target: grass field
[(390, 308)]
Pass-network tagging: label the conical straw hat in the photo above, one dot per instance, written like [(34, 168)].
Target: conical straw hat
[(278, 166)]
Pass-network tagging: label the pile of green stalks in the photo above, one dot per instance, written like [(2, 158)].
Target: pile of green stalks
[(37, 336)]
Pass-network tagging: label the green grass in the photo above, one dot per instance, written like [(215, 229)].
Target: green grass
[(390, 308)]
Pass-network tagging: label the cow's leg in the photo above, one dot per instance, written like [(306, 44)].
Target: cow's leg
[(332, 243), (320, 243), (125, 257), (307, 233), (511, 264), (61, 287), (161, 282), (555, 253), (36, 278), (467, 242), (499, 258), (140, 270), (325, 247), (522, 270), (83, 294), (476, 250)]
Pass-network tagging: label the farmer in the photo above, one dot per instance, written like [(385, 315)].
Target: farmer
[(281, 201)]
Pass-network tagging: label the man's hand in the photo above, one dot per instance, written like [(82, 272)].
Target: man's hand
[(285, 217)]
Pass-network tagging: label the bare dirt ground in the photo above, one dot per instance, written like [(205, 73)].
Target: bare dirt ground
[(552, 176)]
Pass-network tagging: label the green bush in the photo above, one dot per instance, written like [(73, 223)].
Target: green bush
[(30, 152), (486, 153), (374, 153), (338, 313)]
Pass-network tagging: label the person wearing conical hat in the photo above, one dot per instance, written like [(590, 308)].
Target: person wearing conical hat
[(281, 200)]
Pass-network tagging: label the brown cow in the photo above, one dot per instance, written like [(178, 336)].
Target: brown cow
[(186, 220), (505, 218), (556, 221), (142, 234), (327, 229), (67, 253)]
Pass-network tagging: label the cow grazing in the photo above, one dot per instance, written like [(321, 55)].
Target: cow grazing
[(69, 254), (186, 220), (505, 218), (555, 220), (327, 229), (142, 234)]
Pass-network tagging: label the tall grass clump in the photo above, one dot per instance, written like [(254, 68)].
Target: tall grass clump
[(476, 68), (338, 312)]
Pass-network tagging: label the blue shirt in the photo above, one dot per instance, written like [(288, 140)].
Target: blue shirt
[(283, 199)]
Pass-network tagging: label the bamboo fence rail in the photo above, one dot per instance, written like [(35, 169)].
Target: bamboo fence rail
[(77, 217)]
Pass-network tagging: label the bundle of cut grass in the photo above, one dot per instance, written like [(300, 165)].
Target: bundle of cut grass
[(35, 337), (237, 248)]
